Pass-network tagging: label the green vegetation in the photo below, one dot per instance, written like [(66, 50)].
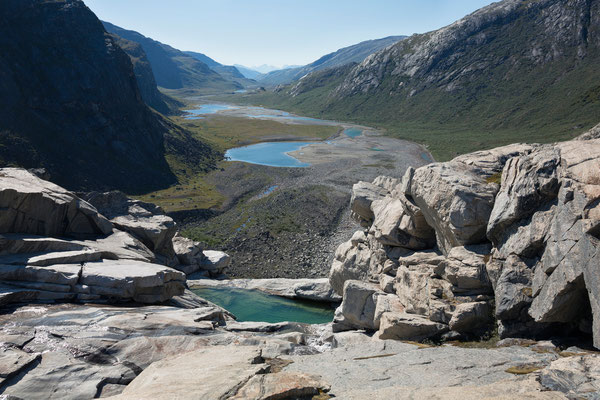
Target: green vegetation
[(196, 187), (524, 369), (476, 95), (225, 132)]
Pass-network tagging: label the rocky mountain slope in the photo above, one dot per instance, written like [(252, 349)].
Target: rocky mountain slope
[(173, 69), (145, 78), (510, 70), (228, 72), (70, 103), (351, 54), (506, 237)]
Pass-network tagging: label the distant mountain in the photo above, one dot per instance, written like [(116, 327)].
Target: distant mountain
[(512, 71), (228, 72), (70, 103), (145, 78), (172, 68), (248, 72), (352, 54), (203, 58)]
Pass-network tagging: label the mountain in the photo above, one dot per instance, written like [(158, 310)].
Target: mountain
[(248, 72), (172, 68), (228, 72), (70, 103), (347, 55), (512, 71), (145, 78)]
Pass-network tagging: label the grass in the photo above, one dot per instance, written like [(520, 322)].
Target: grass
[(196, 190), (225, 132)]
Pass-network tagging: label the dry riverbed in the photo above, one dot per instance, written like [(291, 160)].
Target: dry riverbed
[(287, 222)]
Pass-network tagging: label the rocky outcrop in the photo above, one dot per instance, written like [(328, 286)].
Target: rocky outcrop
[(306, 289), (55, 246), (510, 234)]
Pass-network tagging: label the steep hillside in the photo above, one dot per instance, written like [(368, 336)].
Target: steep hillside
[(145, 78), (515, 70), (69, 102), (173, 69), (248, 72), (347, 55), (228, 72)]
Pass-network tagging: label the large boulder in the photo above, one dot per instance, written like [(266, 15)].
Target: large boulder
[(33, 206), (145, 221), (403, 326), (457, 197), (352, 261), (398, 222), (359, 305), (363, 194)]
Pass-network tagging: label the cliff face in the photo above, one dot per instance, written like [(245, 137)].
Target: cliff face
[(509, 235), (145, 78), (513, 66), (174, 69), (69, 102)]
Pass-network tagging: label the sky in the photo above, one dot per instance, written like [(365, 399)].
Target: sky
[(277, 32)]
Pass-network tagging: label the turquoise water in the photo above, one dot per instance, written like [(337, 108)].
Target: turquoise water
[(272, 154), (208, 109), (253, 305), (353, 132)]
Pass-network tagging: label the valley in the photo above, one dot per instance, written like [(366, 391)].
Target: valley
[(279, 221)]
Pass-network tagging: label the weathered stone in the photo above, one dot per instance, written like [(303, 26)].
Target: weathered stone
[(402, 326), (469, 317), (14, 360), (308, 289), (412, 289), (386, 303), (188, 252), (359, 304), (350, 263), (363, 194), (528, 182), (465, 268), (282, 385), (31, 205), (513, 289), (143, 282), (215, 261), (146, 221), (457, 197), (179, 377), (577, 376), (395, 224)]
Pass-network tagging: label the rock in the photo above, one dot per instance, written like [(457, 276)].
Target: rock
[(386, 303), (469, 317), (402, 326), (529, 182), (457, 197), (145, 221), (513, 289), (33, 206), (143, 282), (255, 326), (593, 133), (178, 377), (577, 376), (363, 194), (350, 263), (188, 252), (215, 261), (12, 361), (465, 268), (591, 276), (395, 224), (282, 385), (308, 289), (359, 304)]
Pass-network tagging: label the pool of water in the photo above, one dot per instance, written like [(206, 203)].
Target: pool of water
[(353, 132), (272, 154), (205, 109), (253, 305)]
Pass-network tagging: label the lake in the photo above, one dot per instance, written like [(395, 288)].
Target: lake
[(272, 154), (253, 305), (353, 132)]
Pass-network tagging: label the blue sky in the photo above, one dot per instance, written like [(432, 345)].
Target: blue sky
[(277, 32)]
